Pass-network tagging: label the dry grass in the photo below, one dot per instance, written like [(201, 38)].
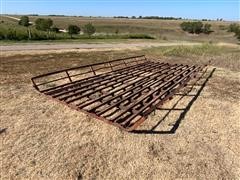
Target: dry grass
[(47, 140)]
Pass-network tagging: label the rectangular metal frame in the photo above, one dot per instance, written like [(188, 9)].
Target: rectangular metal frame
[(121, 92)]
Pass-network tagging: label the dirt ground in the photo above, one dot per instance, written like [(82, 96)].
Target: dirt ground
[(193, 136)]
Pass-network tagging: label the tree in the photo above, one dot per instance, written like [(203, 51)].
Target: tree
[(89, 29), (55, 29), (43, 24), (186, 26), (73, 29), (237, 33), (234, 27), (24, 21), (197, 27), (192, 27), (207, 28)]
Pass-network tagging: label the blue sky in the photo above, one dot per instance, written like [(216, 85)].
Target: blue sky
[(196, 9)]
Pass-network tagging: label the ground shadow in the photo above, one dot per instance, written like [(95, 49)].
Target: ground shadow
[(205, 77)]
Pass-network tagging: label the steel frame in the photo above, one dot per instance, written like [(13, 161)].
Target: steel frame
[(121, 92)]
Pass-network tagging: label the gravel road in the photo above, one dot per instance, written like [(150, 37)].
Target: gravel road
[(61, 46)]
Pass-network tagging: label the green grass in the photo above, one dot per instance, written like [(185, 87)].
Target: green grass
[(182, 51)]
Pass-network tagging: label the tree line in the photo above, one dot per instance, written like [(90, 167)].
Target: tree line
[(41, 29), (148, 17), (198, 27), (47, 25)]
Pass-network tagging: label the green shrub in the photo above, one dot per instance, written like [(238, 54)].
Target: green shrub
[(196, 27), (114, 36), (2, 37), (11, 34), (89, 29), (234, 27), (140, 36), (55, 29), (237, 34), (37, 36), (207, 28), (21, 35), (42, 35), (186, 26), (73, 29)]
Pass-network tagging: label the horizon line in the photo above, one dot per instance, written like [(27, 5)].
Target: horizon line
[(127, 17)]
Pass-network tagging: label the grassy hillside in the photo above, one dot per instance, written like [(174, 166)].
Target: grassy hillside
[(161, 29)]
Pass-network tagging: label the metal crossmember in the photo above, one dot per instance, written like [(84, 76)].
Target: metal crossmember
[(123, 97)]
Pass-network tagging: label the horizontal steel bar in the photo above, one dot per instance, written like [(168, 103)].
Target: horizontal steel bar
[(76, 87), (145, 96), (65, 77), (130, 90), (170, 90), (142, 82), (78, 93), (79, 67), (74, 75), (159, 81), (88, 79)]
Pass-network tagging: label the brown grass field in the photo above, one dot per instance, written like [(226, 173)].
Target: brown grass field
[(43, 139)]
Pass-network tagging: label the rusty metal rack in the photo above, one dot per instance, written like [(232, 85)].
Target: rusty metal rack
[(121, 92)]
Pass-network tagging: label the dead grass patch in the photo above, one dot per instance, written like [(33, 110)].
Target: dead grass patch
[(47, 140)]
